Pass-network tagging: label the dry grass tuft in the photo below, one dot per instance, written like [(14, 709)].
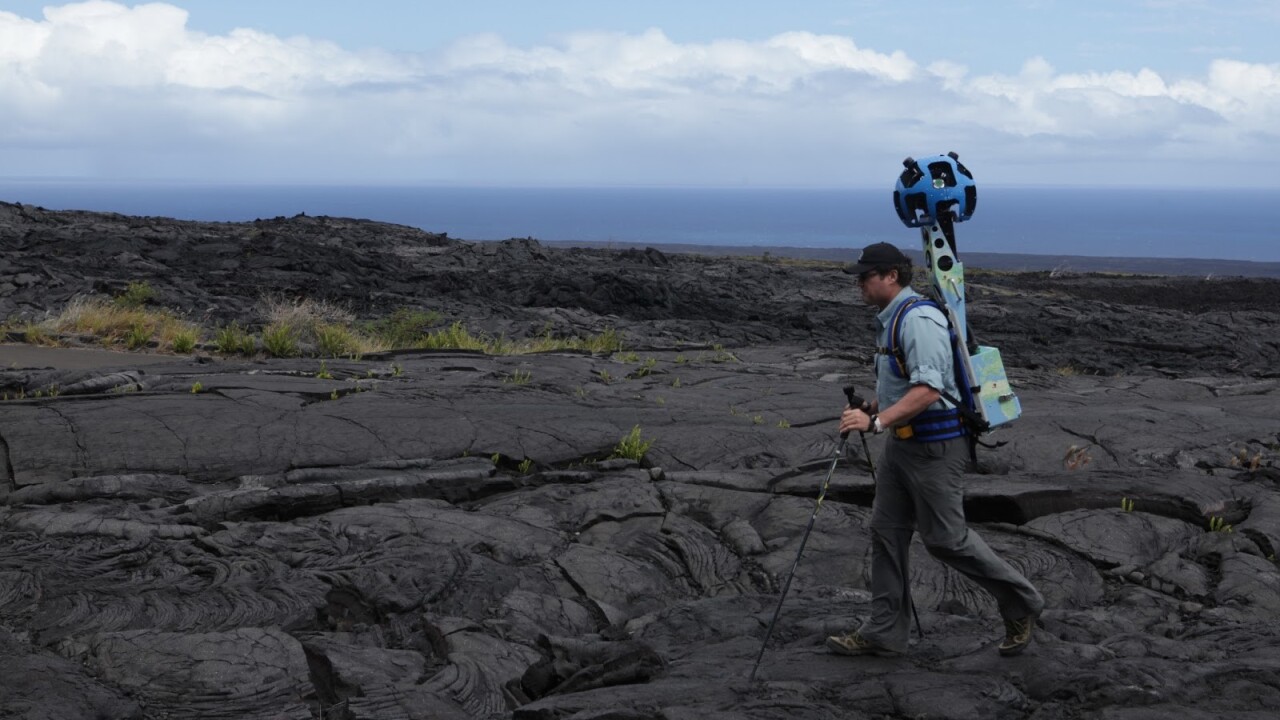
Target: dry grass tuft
[(293, 328), (313, 327), (117, 324)]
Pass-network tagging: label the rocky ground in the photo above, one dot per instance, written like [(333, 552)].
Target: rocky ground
[(443, 534)]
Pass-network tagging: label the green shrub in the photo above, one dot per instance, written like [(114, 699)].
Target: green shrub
[(233, 340), (336, 341), (137, 336), (645, 369), (318, 327), (606, 342), (404, 328), (184, 341), (135, 295), (279, 340), (454, 337), (633, 446)]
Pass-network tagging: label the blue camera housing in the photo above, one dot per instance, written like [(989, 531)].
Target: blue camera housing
[(934, 189)]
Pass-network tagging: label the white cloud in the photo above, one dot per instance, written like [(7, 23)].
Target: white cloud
[(133, 92)]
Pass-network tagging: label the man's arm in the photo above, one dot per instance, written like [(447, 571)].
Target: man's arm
[(913, 403)]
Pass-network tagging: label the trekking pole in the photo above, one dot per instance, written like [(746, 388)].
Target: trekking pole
[(870, 463), (856, 402)]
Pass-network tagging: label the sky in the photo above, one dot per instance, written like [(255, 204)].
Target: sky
[(823, 93)]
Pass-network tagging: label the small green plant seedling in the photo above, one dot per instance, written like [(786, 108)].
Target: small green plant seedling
[(647, 367), (722, 355), (196, 387), (633, 446), (1217, 524)]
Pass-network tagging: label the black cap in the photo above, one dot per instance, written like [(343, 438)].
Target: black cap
[(877, 256)]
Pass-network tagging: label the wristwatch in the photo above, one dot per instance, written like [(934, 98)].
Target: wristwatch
[(876, 427)]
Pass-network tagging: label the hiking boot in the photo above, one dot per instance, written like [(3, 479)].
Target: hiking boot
[(1017, 635), (855, 644)]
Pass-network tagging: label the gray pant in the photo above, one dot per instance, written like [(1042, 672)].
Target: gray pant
[(918, 486)]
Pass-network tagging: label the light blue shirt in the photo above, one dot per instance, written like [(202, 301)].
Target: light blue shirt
[(927, 347)]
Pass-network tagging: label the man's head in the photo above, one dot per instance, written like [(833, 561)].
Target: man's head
[(882, 271)]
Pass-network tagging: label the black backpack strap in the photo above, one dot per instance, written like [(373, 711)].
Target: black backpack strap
[(973, 419), (975, 425)]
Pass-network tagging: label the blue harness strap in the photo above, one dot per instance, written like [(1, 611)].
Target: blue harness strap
[(894, 350), (930, 425), (935, 425)]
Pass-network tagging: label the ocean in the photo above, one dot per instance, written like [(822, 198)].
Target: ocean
[(1217, 224)]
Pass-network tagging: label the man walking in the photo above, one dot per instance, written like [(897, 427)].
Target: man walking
[(918, 485)]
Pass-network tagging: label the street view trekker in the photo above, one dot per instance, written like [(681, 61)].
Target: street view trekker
[(918, 483)]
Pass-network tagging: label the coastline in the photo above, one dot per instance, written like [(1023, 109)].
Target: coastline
[(1005, 262), (1092, 230)]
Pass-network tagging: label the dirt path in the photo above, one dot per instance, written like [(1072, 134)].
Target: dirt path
[(15, 357)]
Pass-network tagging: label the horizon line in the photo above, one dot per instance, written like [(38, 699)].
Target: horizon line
[(444, 185)]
